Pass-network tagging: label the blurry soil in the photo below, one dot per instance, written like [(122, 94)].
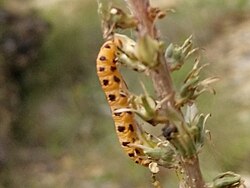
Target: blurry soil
[(229, 54)]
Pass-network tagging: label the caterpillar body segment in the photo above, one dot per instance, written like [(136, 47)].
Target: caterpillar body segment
[(116, 93)]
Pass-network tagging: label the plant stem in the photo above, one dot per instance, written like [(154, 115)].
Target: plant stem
[(163, 84), (160, 75), (193, 176)]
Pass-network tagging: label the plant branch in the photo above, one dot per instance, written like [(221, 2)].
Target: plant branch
[(163, 83), (161, 74), (193, 177)]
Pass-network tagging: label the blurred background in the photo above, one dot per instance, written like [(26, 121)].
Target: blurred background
[(55, 125)]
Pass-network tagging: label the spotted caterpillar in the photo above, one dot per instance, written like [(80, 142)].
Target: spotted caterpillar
[(116, 93)]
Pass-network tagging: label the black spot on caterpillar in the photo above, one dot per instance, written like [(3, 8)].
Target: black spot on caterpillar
[(113, 68), (114, 88)]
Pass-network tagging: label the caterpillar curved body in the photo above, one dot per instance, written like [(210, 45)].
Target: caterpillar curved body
[(115, 90)]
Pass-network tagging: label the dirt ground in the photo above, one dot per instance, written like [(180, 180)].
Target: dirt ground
[(230, 53)]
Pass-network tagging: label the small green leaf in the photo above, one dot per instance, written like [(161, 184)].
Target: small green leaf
[(147, 50), (227, 180)]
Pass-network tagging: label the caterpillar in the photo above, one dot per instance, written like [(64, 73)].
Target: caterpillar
[(116, 93)]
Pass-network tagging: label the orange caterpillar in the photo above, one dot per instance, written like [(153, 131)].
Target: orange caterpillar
[(116, 93)]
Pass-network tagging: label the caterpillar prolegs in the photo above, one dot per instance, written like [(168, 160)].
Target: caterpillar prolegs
[(115, 90)]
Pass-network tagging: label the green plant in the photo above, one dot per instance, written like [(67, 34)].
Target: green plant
[(184, 129)]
